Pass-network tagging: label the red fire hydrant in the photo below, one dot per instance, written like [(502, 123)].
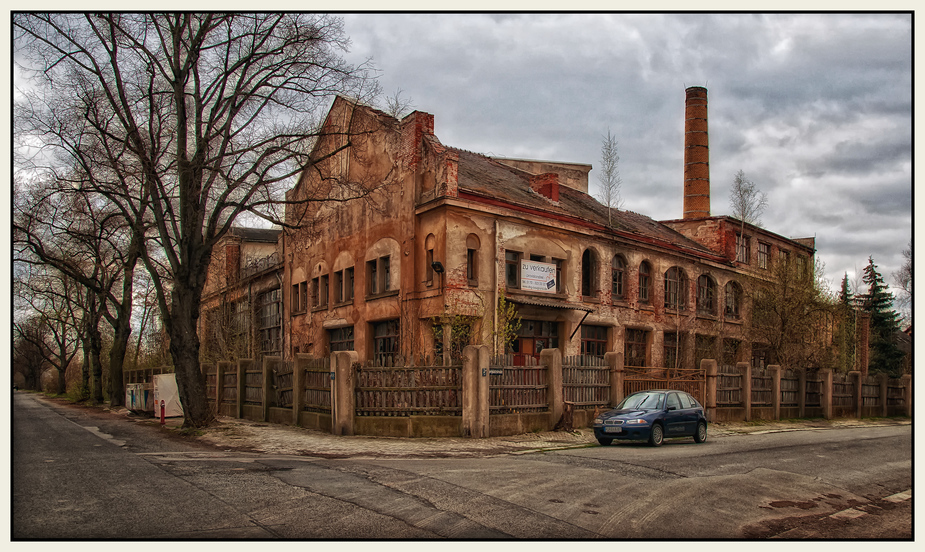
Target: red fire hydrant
[(163, 412)]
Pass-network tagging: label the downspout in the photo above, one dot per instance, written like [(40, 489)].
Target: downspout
[(494, 315)]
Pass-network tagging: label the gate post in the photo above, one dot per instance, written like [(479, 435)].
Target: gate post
[(475, 391), (708, 365), (775, 389), (745, 369), (555, 394), (343, 397), (615, 362)]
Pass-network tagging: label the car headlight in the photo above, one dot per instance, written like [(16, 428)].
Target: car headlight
[(598, 421), (636, 421)]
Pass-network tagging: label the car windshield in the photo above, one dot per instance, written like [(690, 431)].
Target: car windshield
[(642, 401)]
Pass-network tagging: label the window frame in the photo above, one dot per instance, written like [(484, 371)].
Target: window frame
[(676, 289), (618, 277), (644, 294), (706, 295), (636, 340)]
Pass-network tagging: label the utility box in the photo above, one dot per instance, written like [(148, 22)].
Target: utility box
[(165, 389), (139, 397)]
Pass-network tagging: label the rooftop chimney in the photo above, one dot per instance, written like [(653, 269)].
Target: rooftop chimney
[(546, 184), (696, 155)]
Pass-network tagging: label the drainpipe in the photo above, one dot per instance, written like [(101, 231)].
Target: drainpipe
[(494, 315)]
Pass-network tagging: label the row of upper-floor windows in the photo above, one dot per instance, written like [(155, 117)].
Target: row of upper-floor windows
[(339, 287), (764, 259), (674, 280)]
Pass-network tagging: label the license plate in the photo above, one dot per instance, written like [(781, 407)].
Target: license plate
[(612, 429)]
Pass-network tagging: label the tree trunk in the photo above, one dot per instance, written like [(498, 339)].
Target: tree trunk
[(96, 364), (184, 348)]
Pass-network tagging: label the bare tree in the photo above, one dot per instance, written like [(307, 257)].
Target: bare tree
[(398, 106), (746, 200), (196, 117), (51, 296), (610, 176)]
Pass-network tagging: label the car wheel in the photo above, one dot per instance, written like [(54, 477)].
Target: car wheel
[(657, 436), (701, 434), (604, 441)]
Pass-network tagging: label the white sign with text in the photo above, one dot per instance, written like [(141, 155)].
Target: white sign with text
[(536, 276)]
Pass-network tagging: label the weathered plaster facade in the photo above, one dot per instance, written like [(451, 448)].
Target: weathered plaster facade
[(441, 233)]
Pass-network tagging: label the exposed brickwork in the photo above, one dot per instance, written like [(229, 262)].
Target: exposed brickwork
[(696, 155), (414, 128), (232, 262), (547, 185)]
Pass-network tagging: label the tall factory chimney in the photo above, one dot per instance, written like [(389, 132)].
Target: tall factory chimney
[(696, 154)]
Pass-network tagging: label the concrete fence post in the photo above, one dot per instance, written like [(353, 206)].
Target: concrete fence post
[(343, 397), (555, 393), (775, 389), (709, 367), (883, 380), (826, 392), (907, 394), (857, 392), (298, 386), (475, 391), (745, 369), (617, 374), (243, 366)]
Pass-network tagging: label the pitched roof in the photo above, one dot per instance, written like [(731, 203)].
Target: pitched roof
[(481, 175)]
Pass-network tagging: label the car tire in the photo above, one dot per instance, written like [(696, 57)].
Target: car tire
[(701, 434), (657, 436), (604, 441)]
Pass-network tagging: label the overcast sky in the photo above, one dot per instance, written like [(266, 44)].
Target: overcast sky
[(815, 109)]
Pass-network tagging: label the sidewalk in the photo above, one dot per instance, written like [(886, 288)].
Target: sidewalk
[(247, 436)]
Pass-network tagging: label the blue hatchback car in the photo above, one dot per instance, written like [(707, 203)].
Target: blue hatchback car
[(654, 416)]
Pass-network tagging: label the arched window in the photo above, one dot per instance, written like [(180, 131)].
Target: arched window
[(706, 295), (733, 294), (589, 273), (675, 289), (618, 276), (645, 282)]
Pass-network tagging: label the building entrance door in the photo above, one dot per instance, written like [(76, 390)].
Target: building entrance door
[(532, 338)]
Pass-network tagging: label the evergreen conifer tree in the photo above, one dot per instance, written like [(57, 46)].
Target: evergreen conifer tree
[(847, 323), (885, 355)]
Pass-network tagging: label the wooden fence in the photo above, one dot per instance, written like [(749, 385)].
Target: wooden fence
[(517, 389), (692, 381), (586, 381), (408, 390)]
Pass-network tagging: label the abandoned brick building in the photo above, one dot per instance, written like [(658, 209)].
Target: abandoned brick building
[(417, 267)]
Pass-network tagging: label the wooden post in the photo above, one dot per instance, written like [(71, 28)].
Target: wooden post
[(857, 393), (775, 389), (745, 369), (617, 374), (801, 398), (555, 393), (343, 395), (709, 367)]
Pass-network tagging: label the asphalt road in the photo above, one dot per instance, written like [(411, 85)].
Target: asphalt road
[(81, 473)]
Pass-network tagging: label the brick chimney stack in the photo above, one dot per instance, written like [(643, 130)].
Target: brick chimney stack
[(546, 184), (696, 154)]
